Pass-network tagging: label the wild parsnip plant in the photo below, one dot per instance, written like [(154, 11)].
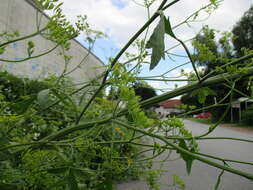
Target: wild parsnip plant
[(60, 136)]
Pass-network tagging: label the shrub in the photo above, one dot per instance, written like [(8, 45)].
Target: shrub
[(32, 123), (247, 116)]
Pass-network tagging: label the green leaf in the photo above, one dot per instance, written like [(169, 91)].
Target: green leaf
[(168, 28), (72, 183), (157, 148), (43, 98), (64, 98), (188, 159), (178, 181), (5, 155), (156, 42), (22, 106), (30, 48), (2, 50), (82, 172), (202, 93), (251, 88), (8, 186), (106, 185), (214, 2), (57, 170)]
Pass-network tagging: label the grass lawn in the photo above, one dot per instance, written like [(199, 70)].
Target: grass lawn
[(209, 121), (238, 125)]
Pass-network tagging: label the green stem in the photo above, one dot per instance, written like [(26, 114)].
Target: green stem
[(68, 130), (190, 57), (174, 68), (195, 85), (24, 144), (223, 159), (219, 79), (218, 180), (23, 38), (225, 138), (178, 80), (32, 57), (241, 59), (200, 109), (213, 127)]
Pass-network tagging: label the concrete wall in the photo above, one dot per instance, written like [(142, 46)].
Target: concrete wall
[(20, 15)]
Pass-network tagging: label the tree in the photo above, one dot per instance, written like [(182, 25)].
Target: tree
[(92, 143), (211, 53), (243, 32), (144, 90)]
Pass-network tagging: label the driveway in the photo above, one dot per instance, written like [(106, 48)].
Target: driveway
[(204, 177)]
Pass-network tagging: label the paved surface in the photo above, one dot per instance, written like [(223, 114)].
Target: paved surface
[(203, 177)]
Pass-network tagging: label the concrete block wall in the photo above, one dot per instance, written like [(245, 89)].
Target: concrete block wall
[(20, 15)]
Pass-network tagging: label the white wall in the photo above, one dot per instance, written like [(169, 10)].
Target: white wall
[(19, 15), (163, 112)]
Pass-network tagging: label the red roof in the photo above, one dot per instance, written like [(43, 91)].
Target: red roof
[(170, 103)]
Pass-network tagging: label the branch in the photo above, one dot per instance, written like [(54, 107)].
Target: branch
[(241, 59), (23, 38), (32, 57), (195, 85)]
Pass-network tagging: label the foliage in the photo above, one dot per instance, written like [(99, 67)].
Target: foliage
[(213, 55), (247, 116), (210, 53), (13, 88), (46, 168), (243, 32), (144, 91), (202, 93)]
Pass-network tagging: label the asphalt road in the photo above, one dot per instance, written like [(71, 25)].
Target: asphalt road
[(203, 176)]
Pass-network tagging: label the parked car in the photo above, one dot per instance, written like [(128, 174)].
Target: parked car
[(205, 115)]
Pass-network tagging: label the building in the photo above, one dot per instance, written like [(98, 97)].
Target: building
[(168, 108), (20, 15)]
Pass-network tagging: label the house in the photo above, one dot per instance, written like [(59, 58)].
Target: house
[(168, 108), (238, 106)]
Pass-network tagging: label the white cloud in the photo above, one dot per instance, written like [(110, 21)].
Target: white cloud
[(118, 23), (121, 23), (155, 84)]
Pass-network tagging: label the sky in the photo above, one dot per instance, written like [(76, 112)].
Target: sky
[(120, 19)]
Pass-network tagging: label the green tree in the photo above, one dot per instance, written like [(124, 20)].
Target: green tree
[(210, 53), (144, 90), (243, 33), (213, 54)]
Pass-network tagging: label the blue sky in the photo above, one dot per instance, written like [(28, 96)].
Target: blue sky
[(119, 3)]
